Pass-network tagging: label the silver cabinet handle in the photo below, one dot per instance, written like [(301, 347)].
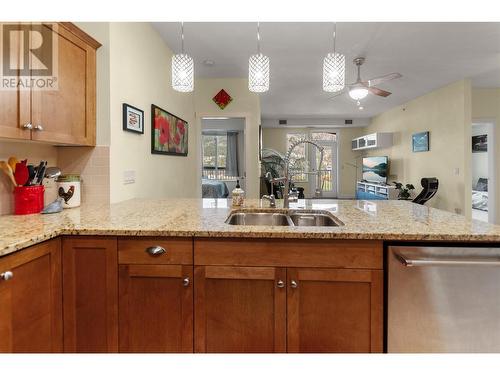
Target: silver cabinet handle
[(28, 126), (280, 284), (294, 284), (7, 275), (185, 281), (155, 251), (38, 128)]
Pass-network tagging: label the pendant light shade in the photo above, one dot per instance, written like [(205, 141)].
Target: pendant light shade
[(334, 69), (334, 72), (182, 69), (258, 73), (258, 69)]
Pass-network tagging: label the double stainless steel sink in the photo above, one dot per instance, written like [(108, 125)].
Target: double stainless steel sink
[(288, 218)]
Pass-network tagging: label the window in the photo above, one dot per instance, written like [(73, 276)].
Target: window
[(298, 156), (214, 148)]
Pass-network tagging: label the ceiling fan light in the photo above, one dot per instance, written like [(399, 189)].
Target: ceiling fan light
[(258, 73), (358, 93), (334, 72)]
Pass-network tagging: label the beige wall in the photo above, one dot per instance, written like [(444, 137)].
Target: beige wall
[(275, 138), (486, 106), (244, 104), (140, 76), (446, 114)]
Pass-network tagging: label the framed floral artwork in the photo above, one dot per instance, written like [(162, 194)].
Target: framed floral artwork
[(169, 133)]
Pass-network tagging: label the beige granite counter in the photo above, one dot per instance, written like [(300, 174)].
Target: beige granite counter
[(383, 220)]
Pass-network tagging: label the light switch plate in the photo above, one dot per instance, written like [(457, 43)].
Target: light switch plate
[(129, 177)]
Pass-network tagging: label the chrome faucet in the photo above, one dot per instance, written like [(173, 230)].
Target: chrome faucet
[(287, 177)]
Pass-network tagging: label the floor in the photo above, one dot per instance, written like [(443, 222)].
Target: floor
[(480, 215)]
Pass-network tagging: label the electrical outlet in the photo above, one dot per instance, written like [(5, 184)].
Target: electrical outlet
[(129, 177)]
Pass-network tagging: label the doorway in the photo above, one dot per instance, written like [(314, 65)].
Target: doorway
[(222, 156), (327, 181), (483, 172)]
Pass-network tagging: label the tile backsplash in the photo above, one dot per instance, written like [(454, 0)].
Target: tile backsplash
[(91, 163)]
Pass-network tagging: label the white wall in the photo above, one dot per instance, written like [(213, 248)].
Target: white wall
[(140, 75), (245, 104), (446, 114)]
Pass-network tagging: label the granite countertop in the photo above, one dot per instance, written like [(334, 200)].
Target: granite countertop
[(381, 220)]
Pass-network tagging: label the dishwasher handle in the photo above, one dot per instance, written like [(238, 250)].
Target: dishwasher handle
[(409, 261)]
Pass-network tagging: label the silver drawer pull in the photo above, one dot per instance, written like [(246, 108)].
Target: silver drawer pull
[(280, 284), (38, 128), (28, 126), (185, 281), (7, 275), (446, 261), (155, 251), (294, 284)]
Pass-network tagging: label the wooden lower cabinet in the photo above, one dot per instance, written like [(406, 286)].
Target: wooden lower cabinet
[(334, 310), (90, 294), (156, 308), (240, 309), (30, 300)]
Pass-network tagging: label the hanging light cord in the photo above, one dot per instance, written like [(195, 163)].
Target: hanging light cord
[(182, 38), (258, 38), (334, 35)]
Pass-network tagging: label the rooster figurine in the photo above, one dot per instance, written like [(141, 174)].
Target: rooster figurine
[(66, 195)]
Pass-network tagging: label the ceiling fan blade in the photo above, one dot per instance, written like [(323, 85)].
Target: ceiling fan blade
[(379, 92), (378, 80)]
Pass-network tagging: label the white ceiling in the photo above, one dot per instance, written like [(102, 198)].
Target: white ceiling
[(428, 55)]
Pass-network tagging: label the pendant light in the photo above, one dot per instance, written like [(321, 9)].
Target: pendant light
[(334, 68), (258, 69), (182, 69)]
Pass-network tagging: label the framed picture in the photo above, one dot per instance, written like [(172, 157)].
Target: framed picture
[(133, 119), (169, 133), (480, 143), (420, 142)]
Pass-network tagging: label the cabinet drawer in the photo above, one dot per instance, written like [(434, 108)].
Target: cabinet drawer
[(289, 253), (141, 251)]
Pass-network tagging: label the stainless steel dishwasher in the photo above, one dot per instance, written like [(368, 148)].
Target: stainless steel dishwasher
[(443, 299)]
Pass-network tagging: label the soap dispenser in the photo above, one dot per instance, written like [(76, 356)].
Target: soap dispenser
[(238, 195)]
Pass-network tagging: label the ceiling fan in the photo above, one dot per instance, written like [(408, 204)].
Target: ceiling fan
[(359, 90)]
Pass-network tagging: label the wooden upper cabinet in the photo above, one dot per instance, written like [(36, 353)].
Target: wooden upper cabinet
[(334, 310), (31, 301), (14, 103), (240, 309), (156, 308), (66, 114), (90, 294)]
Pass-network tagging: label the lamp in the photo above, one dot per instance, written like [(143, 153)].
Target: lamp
[(258, 69), (182, 69), (334, 69)]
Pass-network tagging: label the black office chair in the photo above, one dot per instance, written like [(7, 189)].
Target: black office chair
[(430, 187)]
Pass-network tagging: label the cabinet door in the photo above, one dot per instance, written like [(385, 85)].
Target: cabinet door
[(334, 310), (156, 308), (31, 301), (14, 104), (90, 292), (240, 309), (67, 115)]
